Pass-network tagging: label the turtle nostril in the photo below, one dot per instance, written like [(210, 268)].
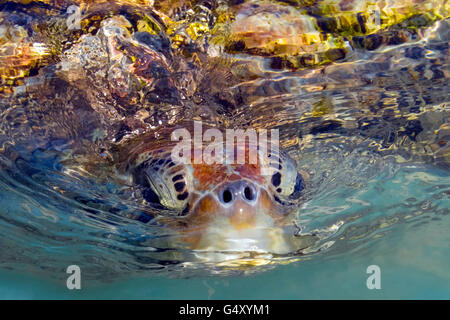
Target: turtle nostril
[(241, 189), (249, 194), (227, 196)]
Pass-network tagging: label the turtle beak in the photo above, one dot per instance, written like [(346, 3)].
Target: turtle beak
[(239, 201), (238, 217), (242, 215), (238, 204)]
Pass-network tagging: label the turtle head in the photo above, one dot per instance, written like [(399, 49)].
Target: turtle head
[(225, 207)]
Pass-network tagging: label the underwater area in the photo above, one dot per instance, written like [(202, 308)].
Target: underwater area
[(92, 91)]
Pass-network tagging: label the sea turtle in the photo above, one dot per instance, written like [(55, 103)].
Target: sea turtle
[(216, 205), (110, 101), (115, 85)]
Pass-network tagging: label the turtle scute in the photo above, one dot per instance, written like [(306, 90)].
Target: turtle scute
[(308, 33), (286, 35), (24, 47)]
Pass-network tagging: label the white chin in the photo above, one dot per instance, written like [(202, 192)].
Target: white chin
[(229, 243)]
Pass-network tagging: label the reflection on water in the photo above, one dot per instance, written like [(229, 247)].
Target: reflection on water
[(369, 127)]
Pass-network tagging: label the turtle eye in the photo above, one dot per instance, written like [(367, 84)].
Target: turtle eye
[(150, 195), (298, 187)]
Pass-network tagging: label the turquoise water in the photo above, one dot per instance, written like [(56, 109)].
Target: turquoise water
[(413, 254)]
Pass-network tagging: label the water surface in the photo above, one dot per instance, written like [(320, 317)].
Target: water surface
[(370, 129)]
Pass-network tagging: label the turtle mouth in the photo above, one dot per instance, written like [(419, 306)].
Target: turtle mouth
[(239, 216)]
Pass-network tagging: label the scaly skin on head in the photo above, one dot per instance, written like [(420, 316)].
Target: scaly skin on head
[(225, 207)]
